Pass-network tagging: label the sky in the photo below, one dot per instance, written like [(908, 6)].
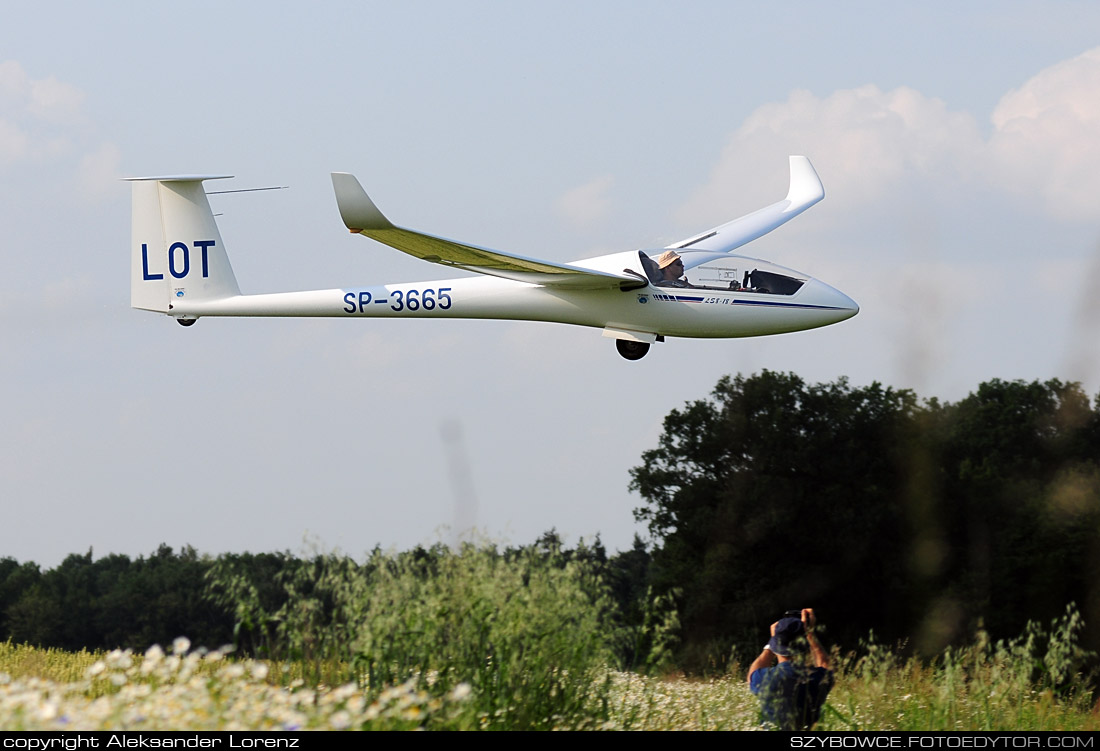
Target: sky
[(959, 146)]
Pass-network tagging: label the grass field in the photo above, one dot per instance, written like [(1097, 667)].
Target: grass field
[(479, 640), (980, 688)]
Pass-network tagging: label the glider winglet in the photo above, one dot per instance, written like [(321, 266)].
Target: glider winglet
[(356, 208), (806, 188)]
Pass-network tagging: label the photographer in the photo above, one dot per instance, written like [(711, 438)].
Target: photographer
[(791, 694)]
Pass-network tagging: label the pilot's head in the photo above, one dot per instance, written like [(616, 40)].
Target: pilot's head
[(670, 264)]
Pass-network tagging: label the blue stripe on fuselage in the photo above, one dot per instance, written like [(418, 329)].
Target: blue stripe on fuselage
[(770, 303), (760, 303)]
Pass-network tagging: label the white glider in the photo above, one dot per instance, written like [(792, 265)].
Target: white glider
[(179, 266)]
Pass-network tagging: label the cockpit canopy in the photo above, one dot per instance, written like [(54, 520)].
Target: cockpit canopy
[(725, 271)]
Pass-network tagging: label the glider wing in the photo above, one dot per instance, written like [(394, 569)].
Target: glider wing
[(805, 190), (362, 217)]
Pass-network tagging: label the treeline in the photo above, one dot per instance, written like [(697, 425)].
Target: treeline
[(248, 600), (917, 520), (113, 602)]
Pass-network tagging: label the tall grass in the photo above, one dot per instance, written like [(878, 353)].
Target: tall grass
[(1036, 681), (1033, 682), (528, 634), (47, 664)]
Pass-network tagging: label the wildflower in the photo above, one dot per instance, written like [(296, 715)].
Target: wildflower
[(232, 672), (181, 645), (118, 659)]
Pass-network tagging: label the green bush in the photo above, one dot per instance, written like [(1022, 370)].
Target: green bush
[(528, 634)]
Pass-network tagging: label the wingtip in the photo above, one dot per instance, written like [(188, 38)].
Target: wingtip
[(805, 187), (356, 208)]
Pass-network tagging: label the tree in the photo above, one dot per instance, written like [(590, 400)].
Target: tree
[(15, 581), (1021, 503), (751, 491), (915, 520)]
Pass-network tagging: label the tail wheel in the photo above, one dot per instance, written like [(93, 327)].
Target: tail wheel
[(631, 350)]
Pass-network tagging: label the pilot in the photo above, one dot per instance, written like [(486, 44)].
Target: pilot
[(671, 267)]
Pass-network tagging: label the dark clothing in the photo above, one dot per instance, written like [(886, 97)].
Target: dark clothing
[(791, 696)]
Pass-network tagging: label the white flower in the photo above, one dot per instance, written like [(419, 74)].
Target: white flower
[(232, 672), (153, 656), (181, 645), (118, 659)]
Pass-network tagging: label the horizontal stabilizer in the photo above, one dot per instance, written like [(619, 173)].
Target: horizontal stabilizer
[(177, 178)]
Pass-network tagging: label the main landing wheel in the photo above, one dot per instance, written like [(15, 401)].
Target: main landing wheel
[(631, 350), (186, 321)]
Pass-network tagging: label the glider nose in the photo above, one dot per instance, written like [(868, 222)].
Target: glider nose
[(819, 293)]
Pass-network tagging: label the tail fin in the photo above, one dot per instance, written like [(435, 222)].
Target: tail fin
[(176, 250)]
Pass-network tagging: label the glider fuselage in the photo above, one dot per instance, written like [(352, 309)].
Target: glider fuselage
[(663, 311), (694, 288)]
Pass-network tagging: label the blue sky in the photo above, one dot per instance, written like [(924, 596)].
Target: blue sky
[(958, 145)]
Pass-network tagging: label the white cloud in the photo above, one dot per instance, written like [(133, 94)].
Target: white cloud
[(45, 99), (13, 142), (1047, 137), (54, 101), (587, 204), (865, 142), (39, 118), (860, 140)]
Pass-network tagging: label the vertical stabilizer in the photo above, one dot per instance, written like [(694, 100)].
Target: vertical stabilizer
[(176, 250)]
